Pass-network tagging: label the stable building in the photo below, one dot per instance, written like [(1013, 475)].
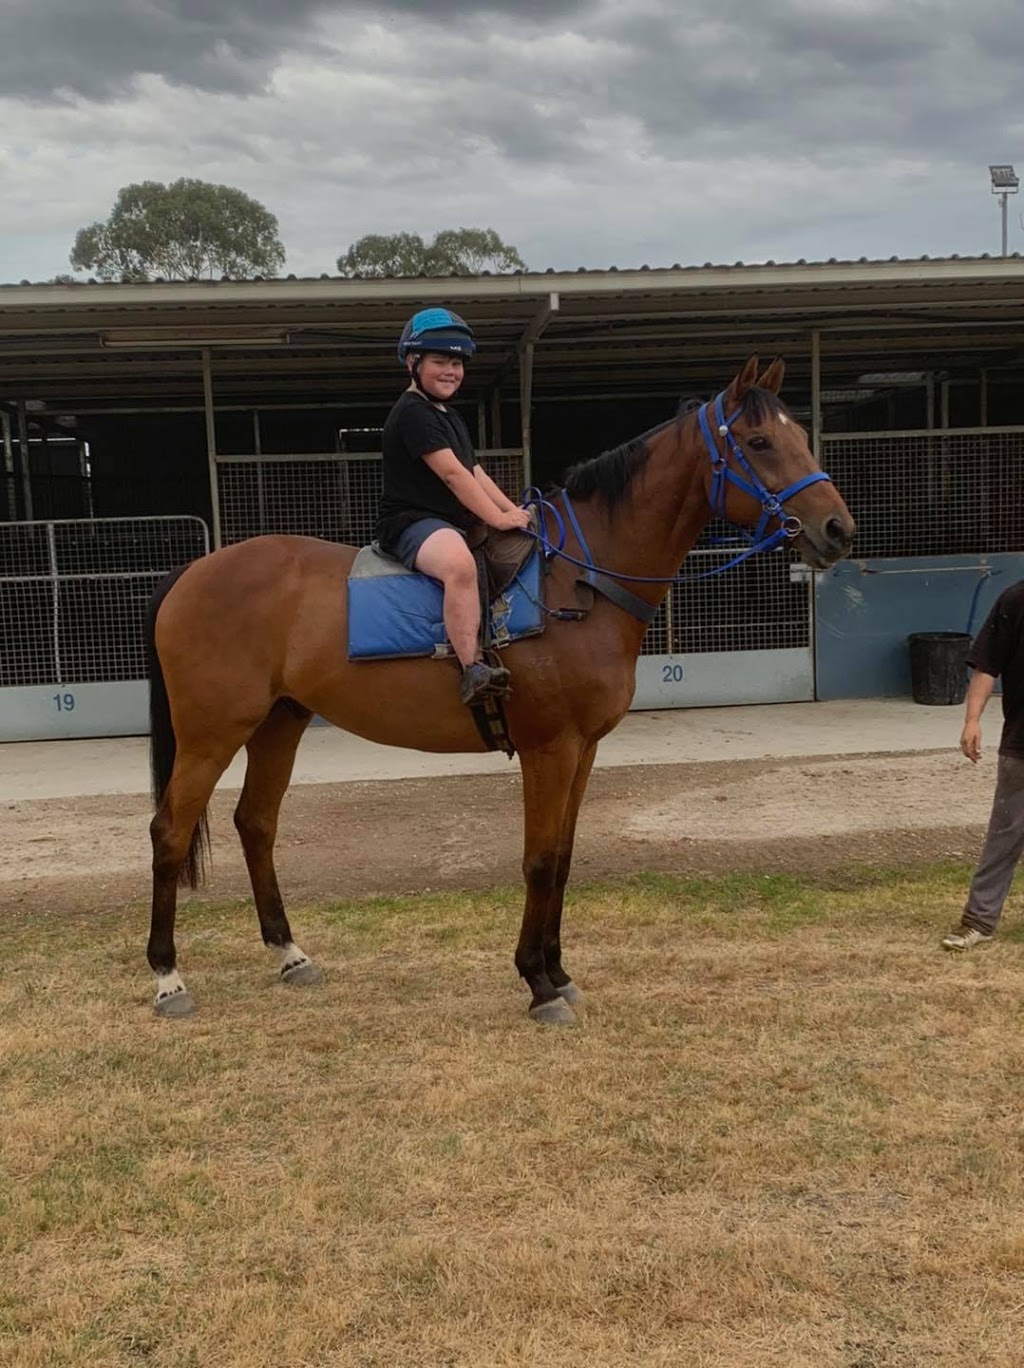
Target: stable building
[(142, 425)]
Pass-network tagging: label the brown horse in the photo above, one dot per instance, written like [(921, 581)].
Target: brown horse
[(248, 643)]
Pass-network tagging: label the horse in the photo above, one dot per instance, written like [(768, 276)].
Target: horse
[(248, 643)]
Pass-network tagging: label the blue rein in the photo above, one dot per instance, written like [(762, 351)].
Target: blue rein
[(721, 476)]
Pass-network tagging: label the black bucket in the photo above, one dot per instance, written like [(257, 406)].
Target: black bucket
[(938, 666)]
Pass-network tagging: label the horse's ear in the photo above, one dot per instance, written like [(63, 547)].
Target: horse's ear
[(772, 378), (742, 382)]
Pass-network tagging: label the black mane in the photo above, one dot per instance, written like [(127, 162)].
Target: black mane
[(610, 476)]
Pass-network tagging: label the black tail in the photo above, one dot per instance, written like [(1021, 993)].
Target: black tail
[(162, 743)]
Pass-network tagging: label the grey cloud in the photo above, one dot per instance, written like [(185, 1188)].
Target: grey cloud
[(95, 48), (911, 75), (460, 10)]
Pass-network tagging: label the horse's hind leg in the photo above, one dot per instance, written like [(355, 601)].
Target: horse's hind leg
[(177, 845), (272, 750)]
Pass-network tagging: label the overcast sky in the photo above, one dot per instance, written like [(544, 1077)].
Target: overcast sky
[(587, 132)]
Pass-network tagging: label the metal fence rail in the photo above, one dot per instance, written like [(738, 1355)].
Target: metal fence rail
[(74, 594)]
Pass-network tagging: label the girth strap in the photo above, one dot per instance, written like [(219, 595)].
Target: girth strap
[(622, 598)]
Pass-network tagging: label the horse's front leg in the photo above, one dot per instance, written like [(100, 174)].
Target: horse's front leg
[(552, 935), (548, 777)]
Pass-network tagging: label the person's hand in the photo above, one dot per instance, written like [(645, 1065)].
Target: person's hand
[(512, 520), (970, 741)]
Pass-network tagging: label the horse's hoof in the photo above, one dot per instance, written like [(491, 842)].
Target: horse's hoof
[(570, 993), (557, 1012), (175, 1005), (303, 974)]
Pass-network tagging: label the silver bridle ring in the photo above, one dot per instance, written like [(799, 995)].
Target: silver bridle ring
[(791, 525)]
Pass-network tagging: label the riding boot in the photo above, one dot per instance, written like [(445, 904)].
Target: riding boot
[(479, 679)]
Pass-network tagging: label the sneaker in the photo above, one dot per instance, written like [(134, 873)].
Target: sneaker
[(965, 938), (479, 679)]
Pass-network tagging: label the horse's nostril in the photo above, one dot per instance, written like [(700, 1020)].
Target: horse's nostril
[(836, 532)]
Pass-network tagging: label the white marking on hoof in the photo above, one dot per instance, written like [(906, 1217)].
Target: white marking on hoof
[(554, 1013), (297, 968), (172, 997), (571, 994)]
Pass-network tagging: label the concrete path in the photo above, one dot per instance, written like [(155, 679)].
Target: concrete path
[(66, 769)]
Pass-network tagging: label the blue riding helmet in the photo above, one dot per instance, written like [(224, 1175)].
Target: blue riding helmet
[(436, 330)]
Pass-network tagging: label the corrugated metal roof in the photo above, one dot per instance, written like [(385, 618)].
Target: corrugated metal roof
[(671, 329), (512, 275)]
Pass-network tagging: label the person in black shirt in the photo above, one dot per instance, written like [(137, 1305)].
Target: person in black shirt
[(435, 490), (997, 653)]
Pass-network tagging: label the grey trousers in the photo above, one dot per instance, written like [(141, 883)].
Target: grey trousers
[(1004, 844)]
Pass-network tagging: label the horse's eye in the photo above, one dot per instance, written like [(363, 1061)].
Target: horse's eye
[(759, 443)]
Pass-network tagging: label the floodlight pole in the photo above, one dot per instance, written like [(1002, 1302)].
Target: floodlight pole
[(1005, 182)]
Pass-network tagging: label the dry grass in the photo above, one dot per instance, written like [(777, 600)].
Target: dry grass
[(788, 1132)]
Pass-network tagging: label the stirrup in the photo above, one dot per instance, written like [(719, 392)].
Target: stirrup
[(481, 679)]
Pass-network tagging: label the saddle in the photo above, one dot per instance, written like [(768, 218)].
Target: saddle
[(394, 611), (503, 555)]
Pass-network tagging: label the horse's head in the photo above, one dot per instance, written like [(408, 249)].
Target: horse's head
[(764, 474)]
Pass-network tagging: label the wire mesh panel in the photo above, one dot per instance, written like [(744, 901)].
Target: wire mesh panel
[(756, 606), (505, 467), (335, 497), (931, 493), (74, 595)]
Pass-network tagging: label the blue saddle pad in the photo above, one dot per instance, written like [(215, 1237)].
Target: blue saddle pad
[(393, 611)]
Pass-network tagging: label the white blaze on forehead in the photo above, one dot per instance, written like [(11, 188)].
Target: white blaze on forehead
[(783, 418)]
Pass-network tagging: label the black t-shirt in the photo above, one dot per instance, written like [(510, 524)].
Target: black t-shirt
[(998, 650), (413, 429)]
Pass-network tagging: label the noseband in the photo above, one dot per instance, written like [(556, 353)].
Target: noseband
[(722, 475)]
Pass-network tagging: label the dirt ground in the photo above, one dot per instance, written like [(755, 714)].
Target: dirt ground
[(338, 840)]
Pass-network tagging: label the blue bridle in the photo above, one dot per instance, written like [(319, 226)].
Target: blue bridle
[(722, 475)]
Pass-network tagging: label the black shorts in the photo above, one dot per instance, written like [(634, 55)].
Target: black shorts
[(408, 543)]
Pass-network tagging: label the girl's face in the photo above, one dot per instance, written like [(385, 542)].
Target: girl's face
[(441, 375)]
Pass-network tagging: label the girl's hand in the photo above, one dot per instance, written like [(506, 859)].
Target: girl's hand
[(512, 520)]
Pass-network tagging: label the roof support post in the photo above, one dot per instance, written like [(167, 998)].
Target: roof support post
[(525, 407), (211, 449), (816, 392), (527, 342), (12, 500), (496, 416), (26, 469)]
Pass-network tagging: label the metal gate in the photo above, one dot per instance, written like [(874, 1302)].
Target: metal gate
[(744, 636), (73, 600)]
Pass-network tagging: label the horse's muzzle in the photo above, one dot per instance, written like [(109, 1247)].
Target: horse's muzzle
[(824, 543)]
